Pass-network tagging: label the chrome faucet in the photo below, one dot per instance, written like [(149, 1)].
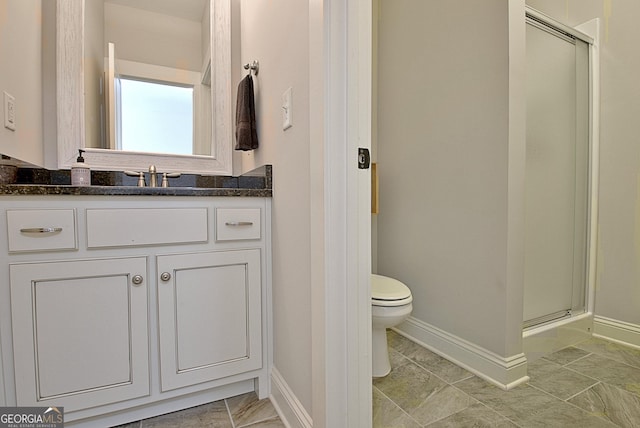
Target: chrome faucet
[(138, 174), (153, 178), (167, 175)]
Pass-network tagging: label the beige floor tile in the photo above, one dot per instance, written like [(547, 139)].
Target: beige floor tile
[(246, 409), (431, 361), (612, 403), (421, 394), (397, 359), (409, 386), (386, 414), (615, 351), (557, 380), (566, 355), (609, 371), (560, 414), (269, 423), (441, 404), (212, 415), (541, 368), (517, 404), (476, 416)]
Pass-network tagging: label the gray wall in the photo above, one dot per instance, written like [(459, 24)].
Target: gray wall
[(450, 189), (277, 34), (21, 76), (94, 55), (618, 270)]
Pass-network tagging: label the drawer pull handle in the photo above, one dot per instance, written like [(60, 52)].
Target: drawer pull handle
[(239, 223), (165, 276), (41, 230), (137, 279)]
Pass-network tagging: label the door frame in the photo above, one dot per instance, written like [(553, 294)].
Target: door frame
[(342, 375)]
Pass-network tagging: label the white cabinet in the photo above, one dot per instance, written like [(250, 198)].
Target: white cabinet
[(122, 308), (80, 332), (209, 312)]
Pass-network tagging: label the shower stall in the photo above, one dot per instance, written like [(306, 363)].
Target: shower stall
[(559, 172)]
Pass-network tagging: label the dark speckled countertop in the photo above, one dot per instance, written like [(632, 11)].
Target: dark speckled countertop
[(256, 183)]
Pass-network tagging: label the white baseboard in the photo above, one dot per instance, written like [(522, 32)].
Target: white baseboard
[(504, 372), (289, 408), (617, 331)]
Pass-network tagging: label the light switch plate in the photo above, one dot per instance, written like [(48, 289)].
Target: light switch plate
[(9, 111), (287, 121)]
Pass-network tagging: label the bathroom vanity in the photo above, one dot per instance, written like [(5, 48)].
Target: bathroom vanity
[(124, 306), (120, 302)]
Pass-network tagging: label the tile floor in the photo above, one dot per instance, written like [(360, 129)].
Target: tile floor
[(593, 384), (243, 411)]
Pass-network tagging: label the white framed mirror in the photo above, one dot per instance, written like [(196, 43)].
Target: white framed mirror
[(79, 123)]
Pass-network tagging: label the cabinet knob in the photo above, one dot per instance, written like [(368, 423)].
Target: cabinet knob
[(137, 279), (165, 276)]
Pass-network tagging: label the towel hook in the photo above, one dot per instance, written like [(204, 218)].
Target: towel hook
[(253, 66)]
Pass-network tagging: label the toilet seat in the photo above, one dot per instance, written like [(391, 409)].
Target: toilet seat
[(387, 291)]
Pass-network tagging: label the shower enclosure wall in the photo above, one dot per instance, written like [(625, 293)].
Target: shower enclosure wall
[(558, 173)]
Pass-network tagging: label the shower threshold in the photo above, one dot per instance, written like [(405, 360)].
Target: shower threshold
[(546, 319), (544, 339)]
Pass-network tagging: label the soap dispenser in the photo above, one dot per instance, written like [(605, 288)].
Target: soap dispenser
[(80, 172)]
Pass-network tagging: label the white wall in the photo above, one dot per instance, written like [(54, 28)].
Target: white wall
[(276, 33), (21, 76), (618, 271), (205, 33), (153, 38), (449, 164)]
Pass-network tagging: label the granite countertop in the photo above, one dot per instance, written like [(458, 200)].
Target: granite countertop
[(257, 183)]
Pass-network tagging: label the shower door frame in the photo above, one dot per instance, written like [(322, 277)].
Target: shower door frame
[(588, 33)]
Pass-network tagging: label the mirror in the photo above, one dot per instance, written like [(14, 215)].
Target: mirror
[(147, 79), (106, 58)]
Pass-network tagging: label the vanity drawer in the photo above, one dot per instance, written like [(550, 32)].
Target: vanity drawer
[(237, 224), (146, 226), (41, 230)]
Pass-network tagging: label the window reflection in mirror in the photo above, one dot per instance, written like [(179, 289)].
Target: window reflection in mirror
[(134, 43), (154, 115)]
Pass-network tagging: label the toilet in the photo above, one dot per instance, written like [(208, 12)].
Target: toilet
[(390, 305)]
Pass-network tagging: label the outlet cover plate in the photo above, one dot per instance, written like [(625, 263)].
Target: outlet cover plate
[(9, 111), (287, 121)]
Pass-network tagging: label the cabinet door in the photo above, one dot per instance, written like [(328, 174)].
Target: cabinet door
[(80, 335), (209, 316)]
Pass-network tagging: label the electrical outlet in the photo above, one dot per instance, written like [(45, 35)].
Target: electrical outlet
[(9, 112)]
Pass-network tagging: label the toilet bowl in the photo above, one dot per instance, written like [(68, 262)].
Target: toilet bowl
[(390, 305)]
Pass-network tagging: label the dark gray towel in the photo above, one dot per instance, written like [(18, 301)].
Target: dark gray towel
[(246, 134)]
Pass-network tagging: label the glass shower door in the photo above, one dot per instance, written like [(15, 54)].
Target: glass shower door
[(556, 189)]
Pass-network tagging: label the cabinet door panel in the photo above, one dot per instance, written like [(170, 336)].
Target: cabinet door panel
[(79, 332), (215, 297), (209, 316), (83, 342)]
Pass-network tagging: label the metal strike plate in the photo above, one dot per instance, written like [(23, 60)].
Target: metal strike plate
[(364, 158)]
